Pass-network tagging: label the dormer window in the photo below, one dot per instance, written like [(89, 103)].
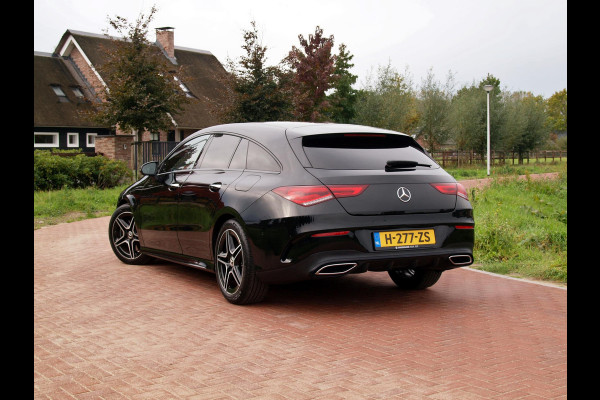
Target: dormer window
[(184, 88), (62, 97), (77, 92)]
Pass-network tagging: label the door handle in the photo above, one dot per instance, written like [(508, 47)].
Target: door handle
[(214, 187)]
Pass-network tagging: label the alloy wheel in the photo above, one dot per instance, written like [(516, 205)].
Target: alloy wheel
[(124, 236), (230, 261)]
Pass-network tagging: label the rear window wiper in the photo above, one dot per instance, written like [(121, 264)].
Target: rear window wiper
[(403, 164)]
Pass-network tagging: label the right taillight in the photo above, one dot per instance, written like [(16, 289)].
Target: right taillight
[(310, 195), (452, 188)]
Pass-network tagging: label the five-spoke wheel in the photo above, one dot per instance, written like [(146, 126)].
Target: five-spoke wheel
[(124, 238), (235, 268)]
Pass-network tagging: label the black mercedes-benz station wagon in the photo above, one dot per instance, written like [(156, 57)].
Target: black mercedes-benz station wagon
[(278, 202)]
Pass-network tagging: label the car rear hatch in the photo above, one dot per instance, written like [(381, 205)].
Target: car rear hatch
[(392, 172)]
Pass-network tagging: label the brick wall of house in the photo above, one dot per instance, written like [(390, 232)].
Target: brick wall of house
[(116, 147), (87, 71)]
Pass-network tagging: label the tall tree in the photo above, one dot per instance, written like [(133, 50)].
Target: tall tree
[(524, 127), (256, 91), (142, 93), (343, 98), (468, 116), (556, 108), (387, 101), (433, 106), (312, 68), (467, 119)]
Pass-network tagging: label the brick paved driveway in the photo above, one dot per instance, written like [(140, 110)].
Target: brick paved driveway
[(105, 330)]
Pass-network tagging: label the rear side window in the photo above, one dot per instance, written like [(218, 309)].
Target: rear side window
[(366, 151), (220, 151), (260, 160)]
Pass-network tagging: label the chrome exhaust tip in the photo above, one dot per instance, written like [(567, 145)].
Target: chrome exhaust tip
[(461, 259), (335, 269)]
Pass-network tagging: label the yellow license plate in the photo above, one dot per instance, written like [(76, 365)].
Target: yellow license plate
[(411, 238)]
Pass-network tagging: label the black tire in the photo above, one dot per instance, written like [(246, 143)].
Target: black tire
[(234, 266), (123, 236), (414, 279)]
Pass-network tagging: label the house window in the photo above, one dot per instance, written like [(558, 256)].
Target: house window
[(154, 136), (72, 139), (77, 92), (184, 88), (45, 139), (90, 139), (62, 97)]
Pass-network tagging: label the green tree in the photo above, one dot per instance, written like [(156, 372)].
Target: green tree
[(468, 117), (433, 105), (387, 101), (556, 108), (343, 98), (312, 70), (255, 90), (524, 127), (141, 93)]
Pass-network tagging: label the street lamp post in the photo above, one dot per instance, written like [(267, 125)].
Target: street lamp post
[(488, 89)]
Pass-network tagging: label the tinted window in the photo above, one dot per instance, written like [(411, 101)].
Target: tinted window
[(185, 157), (239, 158), (361, 151), (259, 159), (220, 151)]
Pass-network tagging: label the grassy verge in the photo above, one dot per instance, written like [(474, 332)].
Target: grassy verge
[(521, 228), (68, 205), (479, 172)]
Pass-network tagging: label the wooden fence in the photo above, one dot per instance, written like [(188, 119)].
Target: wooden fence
[(457, 158)]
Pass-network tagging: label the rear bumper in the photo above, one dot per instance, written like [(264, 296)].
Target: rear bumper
[(341, 262), (284, 250)]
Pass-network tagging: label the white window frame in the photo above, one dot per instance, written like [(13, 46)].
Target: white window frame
[(54, 142), (87, 139), (76, 144)]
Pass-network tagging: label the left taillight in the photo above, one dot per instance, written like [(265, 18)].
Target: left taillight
[(310, 195), (452, 188)]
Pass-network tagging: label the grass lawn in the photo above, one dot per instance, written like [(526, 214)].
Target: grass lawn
[(479, 172), (68, 205), (521, 228)]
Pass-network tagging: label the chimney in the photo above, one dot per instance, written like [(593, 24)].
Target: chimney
[(166, 38)]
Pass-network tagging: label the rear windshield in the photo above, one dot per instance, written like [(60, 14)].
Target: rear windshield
[(361, 151)]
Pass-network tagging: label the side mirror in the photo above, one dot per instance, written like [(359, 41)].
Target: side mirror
[(149, 168)]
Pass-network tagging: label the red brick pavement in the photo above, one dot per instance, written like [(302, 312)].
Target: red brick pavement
[(106, 330)]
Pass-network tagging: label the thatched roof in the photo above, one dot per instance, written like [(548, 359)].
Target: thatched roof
[(201, 67), (48, 108)]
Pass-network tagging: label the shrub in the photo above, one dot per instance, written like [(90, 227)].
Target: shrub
[(52, 172)]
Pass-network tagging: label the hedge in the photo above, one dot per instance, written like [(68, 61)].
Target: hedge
[(53, 172)]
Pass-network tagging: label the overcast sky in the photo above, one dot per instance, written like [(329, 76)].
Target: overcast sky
[(521, 42)]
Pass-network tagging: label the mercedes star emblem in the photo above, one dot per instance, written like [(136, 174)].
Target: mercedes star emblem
[(403, 194)]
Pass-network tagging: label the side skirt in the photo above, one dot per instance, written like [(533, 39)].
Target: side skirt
[(179, 259)]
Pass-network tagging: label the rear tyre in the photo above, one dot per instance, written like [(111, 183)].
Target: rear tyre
[(124, 240), (414, 279), (234, 266)]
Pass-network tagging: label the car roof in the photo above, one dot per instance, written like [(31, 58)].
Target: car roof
[(268, 131)]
